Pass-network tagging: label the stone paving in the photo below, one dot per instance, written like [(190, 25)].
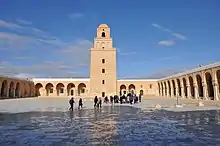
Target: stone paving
[(61, 104)]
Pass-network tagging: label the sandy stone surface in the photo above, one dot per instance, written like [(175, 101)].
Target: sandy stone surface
[(62, 104)]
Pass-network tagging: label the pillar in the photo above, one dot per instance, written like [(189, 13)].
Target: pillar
[(182, 88), (215, 87), (177, 90), (205, 95), (188, 90), (196, 91), (171, 89)]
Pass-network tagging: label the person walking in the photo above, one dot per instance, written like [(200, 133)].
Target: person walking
[(95, 101), (71, 102), (100, 102), (80, 103)]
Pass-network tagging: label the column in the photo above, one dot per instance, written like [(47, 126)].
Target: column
[(196, 91), (188, 90), (205, 95), (171, 89), (215, 87), (182, 92), (177, 91)]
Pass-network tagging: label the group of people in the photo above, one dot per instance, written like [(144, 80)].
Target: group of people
[(129, 98), (71, 102)]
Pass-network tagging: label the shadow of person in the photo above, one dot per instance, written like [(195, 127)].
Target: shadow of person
[(71, 115)]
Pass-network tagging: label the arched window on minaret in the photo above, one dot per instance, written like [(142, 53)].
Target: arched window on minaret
[(103, 34)]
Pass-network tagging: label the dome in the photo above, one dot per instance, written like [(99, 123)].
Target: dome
[(103, 25)]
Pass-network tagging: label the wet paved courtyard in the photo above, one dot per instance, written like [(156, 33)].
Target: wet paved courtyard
[(111, 125)]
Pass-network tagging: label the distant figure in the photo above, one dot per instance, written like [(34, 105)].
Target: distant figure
[(95, 101), (111, 99), (80, 103), (140, 97), (71, 102), (131, 99), (106, 99), (100, 102)]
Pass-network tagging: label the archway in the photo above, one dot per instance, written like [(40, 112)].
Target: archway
[(17, 90), (169, 88), (49, 89), (165, 86), (122, 90), (210, 89), (199, 83), (71, 89), (4, 88), (60, 89), (159, 89), (11, 90), (131, 88), (81, 89), (179, 89), (191, 87), (38, 89), (162, 89), (174, 88), (103, 34), (218, 79), (185, 88)]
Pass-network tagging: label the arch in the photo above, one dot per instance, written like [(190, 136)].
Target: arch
[(103, 34), (178, 86), (26, 90), (122, 89), (184, 87), (165, 87), (38, 88), (191, 87), (81, 89), (199, 83), (17, 90), (174, 88), (71, 89), (60, 89), (210, 89), (218, 79), (131, 88), (169, 88), (11, 89), (159, 89), (162, 89), (4, 88), (49, 89)]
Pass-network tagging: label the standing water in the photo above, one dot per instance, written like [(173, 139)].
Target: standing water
[(111, 125)]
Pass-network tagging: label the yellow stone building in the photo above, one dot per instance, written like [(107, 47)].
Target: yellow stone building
[(202, 82), (103, 80)]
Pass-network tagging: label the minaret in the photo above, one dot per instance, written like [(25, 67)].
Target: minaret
[(103, 64)]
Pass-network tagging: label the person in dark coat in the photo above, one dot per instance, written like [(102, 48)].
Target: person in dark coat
[(95, 101), (71, 102), (80, 103), (111, 99)]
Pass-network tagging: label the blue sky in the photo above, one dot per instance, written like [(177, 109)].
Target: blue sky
[(153, 38)]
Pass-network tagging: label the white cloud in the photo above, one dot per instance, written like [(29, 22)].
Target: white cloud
[(23, 22), (177, 35), (166, 43), (76, 15)]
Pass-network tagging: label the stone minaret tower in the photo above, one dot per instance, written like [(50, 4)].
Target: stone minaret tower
[(103, 64)]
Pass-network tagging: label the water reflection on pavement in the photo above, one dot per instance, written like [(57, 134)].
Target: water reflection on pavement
[(113, 125)]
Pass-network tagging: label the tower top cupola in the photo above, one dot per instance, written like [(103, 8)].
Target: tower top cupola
[(103, 31)]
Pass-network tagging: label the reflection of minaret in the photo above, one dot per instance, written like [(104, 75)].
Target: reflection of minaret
[(103, 64)]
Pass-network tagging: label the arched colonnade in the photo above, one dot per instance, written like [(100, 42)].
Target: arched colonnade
[(61, 89), (16, 88), (203, 84)]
